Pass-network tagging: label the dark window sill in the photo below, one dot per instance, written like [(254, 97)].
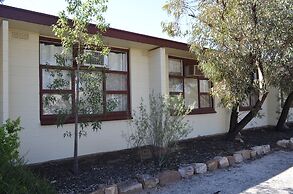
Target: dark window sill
[(202, 111), (246, 108), (52, 119)]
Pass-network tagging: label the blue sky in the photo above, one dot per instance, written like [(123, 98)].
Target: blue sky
[(141, 16)]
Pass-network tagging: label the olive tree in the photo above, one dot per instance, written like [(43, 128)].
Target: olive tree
[(281, 67), (235, 43), (74, 35), (282, 79)]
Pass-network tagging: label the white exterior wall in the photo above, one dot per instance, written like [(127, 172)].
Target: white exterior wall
[(148, 71), (4, 65), (268, 115), (157, 69), (43, 143), (209, 124), (290, 115), (206, 124)]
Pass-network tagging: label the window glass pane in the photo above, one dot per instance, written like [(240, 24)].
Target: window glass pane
[(191, 92), (191, 70), (254, 99), (246, 102), (51, 54), (175, 67), (91, 92), (91, 80), (205, 86), (205, 101), (188, 70), (117, 61), (56, 79), (116, 81), (57, 104), (175, 85), (95, 58), (116, 102)]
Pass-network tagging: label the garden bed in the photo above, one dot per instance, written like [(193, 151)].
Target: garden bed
[(115, 167)]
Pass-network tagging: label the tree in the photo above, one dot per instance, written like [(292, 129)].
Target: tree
[(235, 43), (282, 79), (74, 34), (281, 125), (282, 72)]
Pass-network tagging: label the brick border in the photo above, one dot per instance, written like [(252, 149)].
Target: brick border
[(144, 182)]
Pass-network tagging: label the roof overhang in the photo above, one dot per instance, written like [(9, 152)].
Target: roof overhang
[(21, 16)]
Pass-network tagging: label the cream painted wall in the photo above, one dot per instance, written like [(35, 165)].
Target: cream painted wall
[(43, 143), (210, 124), (205, 124), (290, 115), (268, 114), (4, 66), (273, 106), (157, 70), (217, 123), (148, 70)]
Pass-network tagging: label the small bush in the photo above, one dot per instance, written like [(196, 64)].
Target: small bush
[(9, 141), (162, 126), (15, 178)]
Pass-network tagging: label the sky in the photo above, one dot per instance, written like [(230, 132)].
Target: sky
[(140, 16)]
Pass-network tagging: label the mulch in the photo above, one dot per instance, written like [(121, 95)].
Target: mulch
[(115, 167)]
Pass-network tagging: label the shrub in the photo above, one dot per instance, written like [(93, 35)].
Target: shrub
[(161, 127), (9, 141), (15, 178)]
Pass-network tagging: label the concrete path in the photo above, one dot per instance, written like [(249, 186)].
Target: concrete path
[(272, 174)]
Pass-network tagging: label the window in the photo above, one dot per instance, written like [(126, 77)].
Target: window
[(249, 102), (57, 83), (186, 79)]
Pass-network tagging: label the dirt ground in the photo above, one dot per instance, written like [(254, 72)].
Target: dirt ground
[(115, 167), (272, 174)]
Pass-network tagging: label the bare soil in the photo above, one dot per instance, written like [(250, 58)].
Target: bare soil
[(114, 167)]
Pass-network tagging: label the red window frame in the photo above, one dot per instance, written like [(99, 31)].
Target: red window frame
[(190, 62), (106, 116)]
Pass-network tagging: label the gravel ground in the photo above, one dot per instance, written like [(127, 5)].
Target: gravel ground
[(272, 174), (119, 166)]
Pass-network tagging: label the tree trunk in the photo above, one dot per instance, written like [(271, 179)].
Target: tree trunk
[(253, 112), (233, 118), (282, 119), (75, 156)]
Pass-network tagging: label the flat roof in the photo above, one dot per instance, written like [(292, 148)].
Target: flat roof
[(13, 13)]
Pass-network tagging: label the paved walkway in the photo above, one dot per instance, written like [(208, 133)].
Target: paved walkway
[(272, 174)]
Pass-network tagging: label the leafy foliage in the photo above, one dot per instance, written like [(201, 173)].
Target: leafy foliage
[(9, 141), (74, 33), (243, 46), (235, 40), (162, 126), (17, 179), (14, 177)]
